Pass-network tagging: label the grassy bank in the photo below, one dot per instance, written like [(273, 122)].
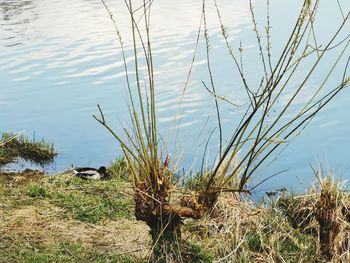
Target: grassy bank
[(64, 219)]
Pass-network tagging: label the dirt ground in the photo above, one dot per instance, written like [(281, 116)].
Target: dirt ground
[(20, 178), (43, 225)]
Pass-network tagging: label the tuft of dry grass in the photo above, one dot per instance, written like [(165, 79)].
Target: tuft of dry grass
[(293, 228), (334, 228), (240, 231)]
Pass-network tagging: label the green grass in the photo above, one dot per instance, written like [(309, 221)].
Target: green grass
[(21, 251), (92, 208), (254, 241), (85, 201), (38, 191)]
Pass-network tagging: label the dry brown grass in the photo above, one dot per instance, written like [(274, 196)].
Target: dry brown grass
[(284, 230), (20, 178), (44, 225), (229, 221)]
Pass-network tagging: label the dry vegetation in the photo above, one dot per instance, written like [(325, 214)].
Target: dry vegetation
[(292, 228)]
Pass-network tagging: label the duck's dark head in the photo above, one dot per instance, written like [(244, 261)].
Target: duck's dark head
[(104, 175), (102, 169)]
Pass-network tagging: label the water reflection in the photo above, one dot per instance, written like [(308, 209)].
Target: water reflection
[(16, 20), (10, 9)]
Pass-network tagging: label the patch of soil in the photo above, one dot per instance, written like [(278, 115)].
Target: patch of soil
[(20, 178), (43, 225)]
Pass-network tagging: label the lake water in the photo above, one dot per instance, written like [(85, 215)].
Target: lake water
[(58, 59)]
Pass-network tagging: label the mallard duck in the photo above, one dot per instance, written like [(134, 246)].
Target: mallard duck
[(88, 173)]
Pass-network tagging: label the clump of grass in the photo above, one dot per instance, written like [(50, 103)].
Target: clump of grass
[(196, 253), (299, 210), (38, 191), (322, 214), (328, 210), (118, 169), (14, 146)]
